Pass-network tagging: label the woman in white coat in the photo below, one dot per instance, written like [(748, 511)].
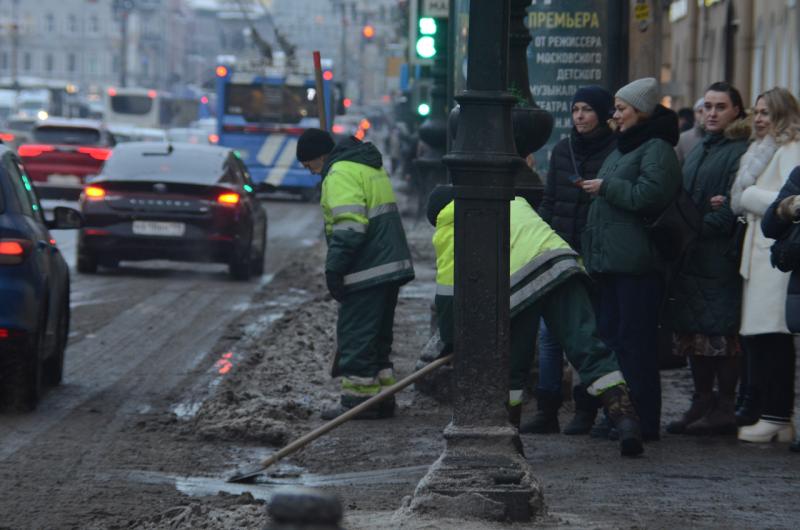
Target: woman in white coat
[(763, 170)]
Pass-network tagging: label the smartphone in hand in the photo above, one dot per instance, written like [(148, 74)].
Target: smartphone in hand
[(576, 180)]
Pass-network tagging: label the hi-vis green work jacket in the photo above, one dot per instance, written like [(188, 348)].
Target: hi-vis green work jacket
[(540, 260), (366, 240)]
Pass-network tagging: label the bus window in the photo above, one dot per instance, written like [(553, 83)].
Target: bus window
[(270, 103), (131, 104)]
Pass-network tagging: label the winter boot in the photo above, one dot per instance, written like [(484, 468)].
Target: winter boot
[(701, 405), (585, 412), (749, 410), (617, 401), (545, 421), (601, 428), (514, 414), (357, 390), (765, 431), (721, 419)]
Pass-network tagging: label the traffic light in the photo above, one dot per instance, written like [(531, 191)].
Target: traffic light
[(426, 38), (423, 109), (368, 31), (427, 28)]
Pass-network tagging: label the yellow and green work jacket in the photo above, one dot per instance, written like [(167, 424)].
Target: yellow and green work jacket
[(366, 240), (540, 260)]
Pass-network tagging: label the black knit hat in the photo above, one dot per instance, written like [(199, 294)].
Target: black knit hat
[(598, 98), (437, 200), (313, 143)]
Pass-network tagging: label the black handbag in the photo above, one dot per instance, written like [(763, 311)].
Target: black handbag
[(784, 254), (677, 227)]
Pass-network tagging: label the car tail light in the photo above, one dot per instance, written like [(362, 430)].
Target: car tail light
[(94, 193), (7, 137), (228, 199), (213, 138), (13, 251), (338, 128), (98, 153), (7, 334), (34, 149)]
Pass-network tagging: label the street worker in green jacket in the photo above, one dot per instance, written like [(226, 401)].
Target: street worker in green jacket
[(368, 260), (547, 280)]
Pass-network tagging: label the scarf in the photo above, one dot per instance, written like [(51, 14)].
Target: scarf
[(751, 165)]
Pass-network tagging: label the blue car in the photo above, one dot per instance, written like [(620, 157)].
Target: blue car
[(34, 289)]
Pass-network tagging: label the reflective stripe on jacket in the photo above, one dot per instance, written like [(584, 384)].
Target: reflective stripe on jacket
[(366, 240), (540, 260)]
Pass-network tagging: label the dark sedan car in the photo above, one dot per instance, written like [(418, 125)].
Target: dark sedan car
[(179, 202), (34, 289)]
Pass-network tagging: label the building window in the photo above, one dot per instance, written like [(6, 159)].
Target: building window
[(4, 60), (73, 24), (91, 64), (50, 22), (27, 61), (94, 23), (71, 62), (48, 62), (115, 64)]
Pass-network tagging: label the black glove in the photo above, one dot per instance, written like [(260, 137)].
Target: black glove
[(335, 282)]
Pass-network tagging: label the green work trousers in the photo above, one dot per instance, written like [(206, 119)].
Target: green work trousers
[(568, 312), (364, 330)]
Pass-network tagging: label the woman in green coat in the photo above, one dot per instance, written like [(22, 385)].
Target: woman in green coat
[(636, 183), (706, 294)]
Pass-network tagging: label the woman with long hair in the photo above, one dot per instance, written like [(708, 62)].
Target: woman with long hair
[(637, 182), (769, 160)]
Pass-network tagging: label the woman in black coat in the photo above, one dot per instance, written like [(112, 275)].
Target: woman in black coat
[(564, 206), (777, 221)]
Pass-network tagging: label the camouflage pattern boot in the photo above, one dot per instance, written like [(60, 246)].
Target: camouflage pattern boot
[(622, 414)]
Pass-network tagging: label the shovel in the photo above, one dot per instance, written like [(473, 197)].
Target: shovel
[(248, 475)]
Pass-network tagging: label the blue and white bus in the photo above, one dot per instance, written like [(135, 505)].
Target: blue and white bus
[(261, 114)]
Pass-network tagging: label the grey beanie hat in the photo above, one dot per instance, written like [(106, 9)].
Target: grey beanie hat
[(642, 94)]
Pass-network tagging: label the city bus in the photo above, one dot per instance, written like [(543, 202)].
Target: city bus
[(261, 112), (149, 108)]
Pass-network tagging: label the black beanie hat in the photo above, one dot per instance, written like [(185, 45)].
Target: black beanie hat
[(437, 200), (598, 98), (313, 143)]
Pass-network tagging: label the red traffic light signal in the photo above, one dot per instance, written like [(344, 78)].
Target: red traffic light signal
[(368, 31)]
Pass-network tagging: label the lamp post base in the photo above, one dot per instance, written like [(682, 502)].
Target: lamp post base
[(480, 475)]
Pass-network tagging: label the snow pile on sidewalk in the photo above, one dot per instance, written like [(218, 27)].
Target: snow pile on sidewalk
[(283, 377)]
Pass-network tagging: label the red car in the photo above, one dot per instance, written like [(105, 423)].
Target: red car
[(63, 153)]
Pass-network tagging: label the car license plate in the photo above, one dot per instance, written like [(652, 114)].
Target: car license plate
[(63, 180), (158, 228)]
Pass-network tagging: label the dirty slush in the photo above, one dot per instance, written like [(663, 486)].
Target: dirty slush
[(264, 384)]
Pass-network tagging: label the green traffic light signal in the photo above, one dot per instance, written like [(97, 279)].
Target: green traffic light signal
[(426, 47), (423, 109), (427, 26)]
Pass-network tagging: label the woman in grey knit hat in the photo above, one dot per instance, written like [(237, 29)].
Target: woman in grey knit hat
[(636, 182)]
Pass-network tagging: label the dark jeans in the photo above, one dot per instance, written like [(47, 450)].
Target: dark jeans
[(364, 330), (628, 309), (551, 362), (772, 359)]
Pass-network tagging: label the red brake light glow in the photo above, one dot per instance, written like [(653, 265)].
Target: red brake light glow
[(94, 193), (12, 251), (98, 153), (213, 138), (222, 71), (7, 137), (338, 129), (152, 94), (34, 149), (112, 92), (228, 198), (3, 333)]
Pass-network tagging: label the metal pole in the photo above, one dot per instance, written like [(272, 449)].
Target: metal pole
[(481, 465), (14, 43), (123, 63)]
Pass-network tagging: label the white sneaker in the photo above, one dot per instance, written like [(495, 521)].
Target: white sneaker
[(765, 431)]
